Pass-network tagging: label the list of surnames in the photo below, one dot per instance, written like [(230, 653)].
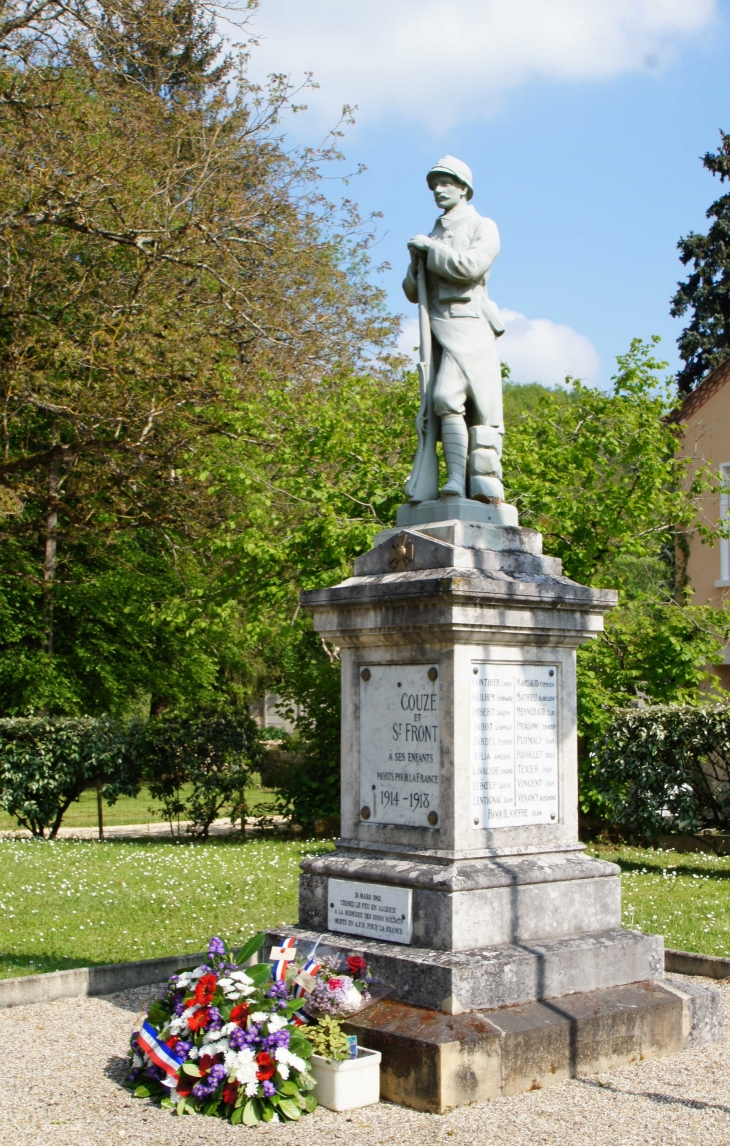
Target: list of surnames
[(514, 745)]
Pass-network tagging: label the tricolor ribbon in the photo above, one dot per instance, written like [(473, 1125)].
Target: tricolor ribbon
[(282, 957), (161, 1054)]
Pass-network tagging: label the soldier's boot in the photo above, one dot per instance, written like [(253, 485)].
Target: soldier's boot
[(455, 442)]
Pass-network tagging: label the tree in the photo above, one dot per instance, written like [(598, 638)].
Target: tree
[(45, 764), (598, 476), (705, 341), (166, 257)]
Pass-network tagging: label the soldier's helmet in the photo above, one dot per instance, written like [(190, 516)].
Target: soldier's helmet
[(451, 166)]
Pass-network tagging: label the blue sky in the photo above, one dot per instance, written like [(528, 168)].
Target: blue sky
[(583, 121)]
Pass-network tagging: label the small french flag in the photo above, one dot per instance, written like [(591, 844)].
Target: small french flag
[(161, 1054), (281, 956), (307, 973)]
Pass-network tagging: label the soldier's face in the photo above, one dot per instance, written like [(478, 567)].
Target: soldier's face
[(447, 191)]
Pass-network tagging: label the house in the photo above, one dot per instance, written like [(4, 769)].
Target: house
[(705, 414)]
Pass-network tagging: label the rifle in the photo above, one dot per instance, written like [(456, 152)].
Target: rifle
[(423, 484)]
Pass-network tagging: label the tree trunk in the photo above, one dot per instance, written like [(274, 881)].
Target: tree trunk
[(49, 564), (99, 810)]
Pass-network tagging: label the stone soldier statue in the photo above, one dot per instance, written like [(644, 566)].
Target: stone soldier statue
[(461, 381)]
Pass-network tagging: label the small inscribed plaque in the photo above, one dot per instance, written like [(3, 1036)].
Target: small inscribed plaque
[(399, 745), (372, 909), (514, 745)]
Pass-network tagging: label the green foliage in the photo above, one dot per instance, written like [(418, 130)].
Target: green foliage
[(597, 475), (328, 1039), (214, 755), (705, 341), (46, 763), (171, 266), (526, 397), (665, 768)]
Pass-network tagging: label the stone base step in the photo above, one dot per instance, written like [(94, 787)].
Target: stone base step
[(435, 1062), (488, 977)]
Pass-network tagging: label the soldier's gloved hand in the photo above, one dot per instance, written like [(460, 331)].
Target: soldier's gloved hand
[(419, 243)]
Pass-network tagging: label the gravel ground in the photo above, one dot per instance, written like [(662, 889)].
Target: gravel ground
[(62, 1088)]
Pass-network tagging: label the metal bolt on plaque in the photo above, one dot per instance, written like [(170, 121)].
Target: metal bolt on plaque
[(365, 812)]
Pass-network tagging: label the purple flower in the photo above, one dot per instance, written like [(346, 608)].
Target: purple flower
[(277, 990), (134, 1074), (206, 1086), (154, 1072), (179, 1007), (216, 1022), (269, 1088), (216, 947), (183, 1048), (240, 1038), (277, 1039)]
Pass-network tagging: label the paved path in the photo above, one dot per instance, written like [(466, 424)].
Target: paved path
[(142, 831), (65, 1061)]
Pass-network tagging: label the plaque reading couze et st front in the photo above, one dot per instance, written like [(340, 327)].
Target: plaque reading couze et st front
[(373, 909), (514, 745), (399, 745)]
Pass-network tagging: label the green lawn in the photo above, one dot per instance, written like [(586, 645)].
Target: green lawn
[(75, 903), (141, 810), (684, 897)]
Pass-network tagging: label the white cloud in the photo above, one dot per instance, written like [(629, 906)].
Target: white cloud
[(445, 60), (538, 350), (409, 338), (535, 349)]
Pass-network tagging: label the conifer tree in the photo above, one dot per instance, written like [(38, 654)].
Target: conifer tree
[(705, 341)]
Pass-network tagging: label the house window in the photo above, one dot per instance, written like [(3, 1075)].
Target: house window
[(724, 514)]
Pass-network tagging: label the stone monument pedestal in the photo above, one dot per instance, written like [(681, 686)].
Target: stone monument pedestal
[(459, 872)]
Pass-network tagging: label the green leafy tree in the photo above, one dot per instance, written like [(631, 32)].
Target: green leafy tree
[(167, 259), (705, 341), (46, 763), (198, 767), (599, 478)]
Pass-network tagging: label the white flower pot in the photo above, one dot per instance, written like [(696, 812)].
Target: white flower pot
[(349, 1084)]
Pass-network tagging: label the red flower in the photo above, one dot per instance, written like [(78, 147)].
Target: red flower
[(205, 1063), (185, 1085), (267, 1067), (230, 1090), (334, 984), (173, 1041), (356, 964), (205, 990), (239, 1014), (199, 1020)]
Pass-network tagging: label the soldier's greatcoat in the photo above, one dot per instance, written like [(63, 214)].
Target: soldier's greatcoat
[(465, 322)]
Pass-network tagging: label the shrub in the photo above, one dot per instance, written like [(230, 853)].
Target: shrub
[(47, 762), (666, 767), (214, 754)]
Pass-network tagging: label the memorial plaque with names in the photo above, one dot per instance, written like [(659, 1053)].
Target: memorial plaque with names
[(375, 910), (399, 745), (514, 745)]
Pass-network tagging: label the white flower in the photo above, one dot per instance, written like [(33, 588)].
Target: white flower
[(178, 1025), (277, 1023), (242, 983), (137, 1061), (193, 1053), (285, 1058), (173, 1095), (225, 983), (283, 1070), (241, 1065), (213, 1036), (251, 1089), (242, 977), (260, 1016)]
